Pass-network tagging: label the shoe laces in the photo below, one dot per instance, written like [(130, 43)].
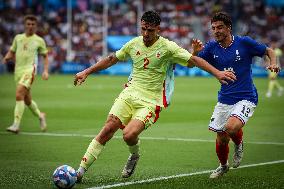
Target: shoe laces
[(220, 168)]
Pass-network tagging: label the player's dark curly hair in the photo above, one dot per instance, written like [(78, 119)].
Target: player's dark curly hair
[(151, 17), (224, 17)]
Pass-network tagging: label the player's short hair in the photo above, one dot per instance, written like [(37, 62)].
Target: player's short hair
[(30, 17), (151, 17), (224, 17)]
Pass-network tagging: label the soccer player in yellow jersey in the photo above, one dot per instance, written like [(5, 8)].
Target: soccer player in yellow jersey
[(24, 51), (272, 76), (148, 91)]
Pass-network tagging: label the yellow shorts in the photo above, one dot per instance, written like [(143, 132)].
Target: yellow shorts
[(127, 107), (25, 78)]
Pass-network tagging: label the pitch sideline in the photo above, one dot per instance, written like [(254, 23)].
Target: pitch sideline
[(178, 176), (144, 138)]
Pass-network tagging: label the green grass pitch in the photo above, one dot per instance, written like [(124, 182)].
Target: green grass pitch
[(179, 143)]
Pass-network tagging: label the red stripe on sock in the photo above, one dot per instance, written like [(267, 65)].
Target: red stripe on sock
[(157, 113), (164, 96)]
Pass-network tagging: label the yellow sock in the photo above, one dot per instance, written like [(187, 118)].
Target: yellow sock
[(34, 108), (277, 85), (135, 148), (271, 86), (18, 112), (91, 154)]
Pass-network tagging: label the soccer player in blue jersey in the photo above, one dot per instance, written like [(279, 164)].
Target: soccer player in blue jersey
[(149, 91), (237, 100)]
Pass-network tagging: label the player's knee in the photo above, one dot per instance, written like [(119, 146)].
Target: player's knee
[(129, 137), (231, 130), (28, 102), (111, 127), (109, 130)]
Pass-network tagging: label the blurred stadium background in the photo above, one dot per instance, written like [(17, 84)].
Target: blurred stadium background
[(79, 32)]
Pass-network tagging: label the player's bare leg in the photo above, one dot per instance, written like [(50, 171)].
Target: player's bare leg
[(96, 146), (21, 92), (130, 136), (234, 129), (222, 150)]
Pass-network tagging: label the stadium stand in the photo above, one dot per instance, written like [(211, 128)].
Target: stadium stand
[(182, 20)]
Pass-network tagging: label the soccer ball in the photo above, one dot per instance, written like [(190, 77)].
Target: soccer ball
[(64, 176)]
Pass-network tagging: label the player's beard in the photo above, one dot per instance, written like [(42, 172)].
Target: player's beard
[(223, 38), (220, 37), (147, 41)]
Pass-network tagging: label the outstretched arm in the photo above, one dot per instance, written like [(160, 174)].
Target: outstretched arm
[(100, 65), (272, 57), (9, 56), (222, 76), (197, 46)]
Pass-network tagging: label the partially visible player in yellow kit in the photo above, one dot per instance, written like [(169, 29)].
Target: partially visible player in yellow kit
[(272, 76), (24, 51), (148, 91)]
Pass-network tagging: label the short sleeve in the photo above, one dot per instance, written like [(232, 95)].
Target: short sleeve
[(179, 55), (42, 48), (14, 44), (123, 53)]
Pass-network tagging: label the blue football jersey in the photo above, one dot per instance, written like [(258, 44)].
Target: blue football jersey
[(238, 58)]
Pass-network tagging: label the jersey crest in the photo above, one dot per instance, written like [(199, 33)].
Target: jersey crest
[(238, 57), (158, 54)]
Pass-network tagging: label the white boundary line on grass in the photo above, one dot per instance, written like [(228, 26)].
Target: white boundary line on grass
[(144, 138), (177, 176)]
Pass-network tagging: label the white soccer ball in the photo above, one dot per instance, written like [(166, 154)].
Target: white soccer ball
[(64, 176)]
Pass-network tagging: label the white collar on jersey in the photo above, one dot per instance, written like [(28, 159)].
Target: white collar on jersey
[(233, 38)]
